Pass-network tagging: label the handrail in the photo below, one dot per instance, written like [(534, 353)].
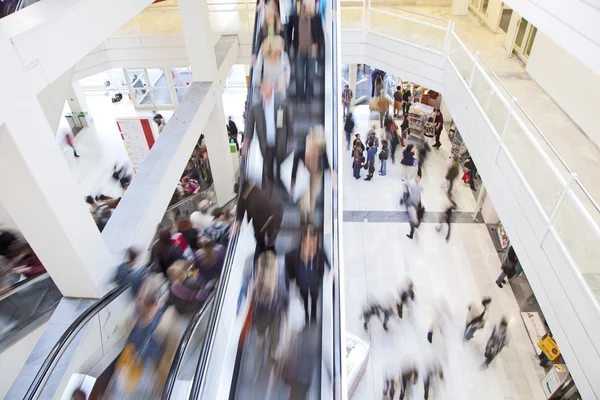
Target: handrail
[(409, 11), (198, 382), (67, 337), (183, 345), (25, 283)]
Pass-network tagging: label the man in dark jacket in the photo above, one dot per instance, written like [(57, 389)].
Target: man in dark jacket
[(271, 119), (306, 266), (348, 128), (264, 212), (306, 34)]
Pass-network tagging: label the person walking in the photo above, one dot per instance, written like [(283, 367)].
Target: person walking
[(201, 218), (348, 128), (383, 157), (263, 210), (509, 267), (470, 165), (405, 295), (357, 160), (408, 160), (476, 317), (439, 126), (446, 217), (273, 64), (408, 379), (451, 176), (69, 140), (497, 341), (371, 151), (347, 97), (306, 267), (306, 33), (433, 374), (397, 101), (406, 97), (164, 253), (383, 107)]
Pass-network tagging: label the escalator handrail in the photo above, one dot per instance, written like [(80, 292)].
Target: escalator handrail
[(205, 353), (68, 335), (25, 283), (183, 345)]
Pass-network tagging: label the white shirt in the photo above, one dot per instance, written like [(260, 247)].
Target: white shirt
[(200, 221), (269, 106)]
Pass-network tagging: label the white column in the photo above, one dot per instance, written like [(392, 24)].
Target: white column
[(37, 189), (352, 80), (76, 98), (217, 144), (460, 7), (198, 39)]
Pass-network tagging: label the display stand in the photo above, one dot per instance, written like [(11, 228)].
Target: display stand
[(357, 357), (418, 120), (138, 136)]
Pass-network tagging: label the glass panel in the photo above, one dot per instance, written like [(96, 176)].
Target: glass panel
[(162, 96), (579, 234), (181, 92), (530, 41), (157, 77), (484, 7), (461, 59), (409, 31), (137, 77), (521, 33), (539, 176), (237, 77), (181, 76), (488, 99), (475, 4)]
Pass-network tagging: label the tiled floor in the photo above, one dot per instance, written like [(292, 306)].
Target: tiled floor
[(378, 257), (101, 147)]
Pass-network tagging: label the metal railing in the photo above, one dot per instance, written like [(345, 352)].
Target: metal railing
[(562, 199)]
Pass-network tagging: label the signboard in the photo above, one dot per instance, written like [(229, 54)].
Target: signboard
[(549, 347), (138, 138), (535, 326), (554, 379)]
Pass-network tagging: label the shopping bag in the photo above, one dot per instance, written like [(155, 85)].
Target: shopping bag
[(466, 177), (373, 104), (302, 177)]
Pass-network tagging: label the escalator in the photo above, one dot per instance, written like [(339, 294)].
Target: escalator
[(227, 364)]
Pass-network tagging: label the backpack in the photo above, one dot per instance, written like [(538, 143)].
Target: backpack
[(383, 154)]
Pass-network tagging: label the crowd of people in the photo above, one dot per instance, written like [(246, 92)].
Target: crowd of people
[(197, 174)]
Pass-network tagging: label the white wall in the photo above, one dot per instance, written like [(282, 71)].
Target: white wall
[(492, 15), (573, 86), (52, 99), (13, 358)]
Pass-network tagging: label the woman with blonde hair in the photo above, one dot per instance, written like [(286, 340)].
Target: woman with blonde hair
[(273, 63), (314, 157)]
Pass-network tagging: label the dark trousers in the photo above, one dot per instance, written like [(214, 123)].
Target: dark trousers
[(437, 138), (266, 235), (348, 140), (412, 231), (305, 76), (405, 107), (426, 386), (271, 167), (394, 144), (314, 295), (356, 169)]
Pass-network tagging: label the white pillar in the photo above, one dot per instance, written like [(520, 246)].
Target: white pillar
[(217, 144), (198, 39), (460, 7), (353, 71), (76, 98), (39, 192)]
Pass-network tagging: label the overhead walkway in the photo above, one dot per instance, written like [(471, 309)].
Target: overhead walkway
[(548, 213), (228, 365)]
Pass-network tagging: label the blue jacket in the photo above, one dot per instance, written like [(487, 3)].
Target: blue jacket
[(371, 154)]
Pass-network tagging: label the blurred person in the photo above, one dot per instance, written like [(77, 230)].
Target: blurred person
[(413, 218), (187, 293), (406, 97), (314, 157), (383, 157), (160, 122), (306, 266), (201, 218), (433, 375), (25, 261), (497, 341), (209, 259), (450, 177), (306, 33), (378, 84), (509, 267), (417, 93), (79, 394), (135, 375), (270, 301), (69, 139), (348, 128), (122, 176), (357, 160), (440, 312), (395, 139), (190, 234), (397, 101), (408, 160), (98, 205), (383, 107), (219, 228), (164, 253), (232, 129), (408, 378), (265, 212), (372, 137), (476, 317), (7, 238), (6, 278), (447, 216), (103, 218), (271, 119), (423, 152), (414, 191), (372, 308), (371, 151), (127, 274), (470, 165), (439, 126), (406, 294), (191, 171), (347, 96), (271, 25), (404, 128), (358, 141), (273, 63), (190, 186), (389, 387)]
